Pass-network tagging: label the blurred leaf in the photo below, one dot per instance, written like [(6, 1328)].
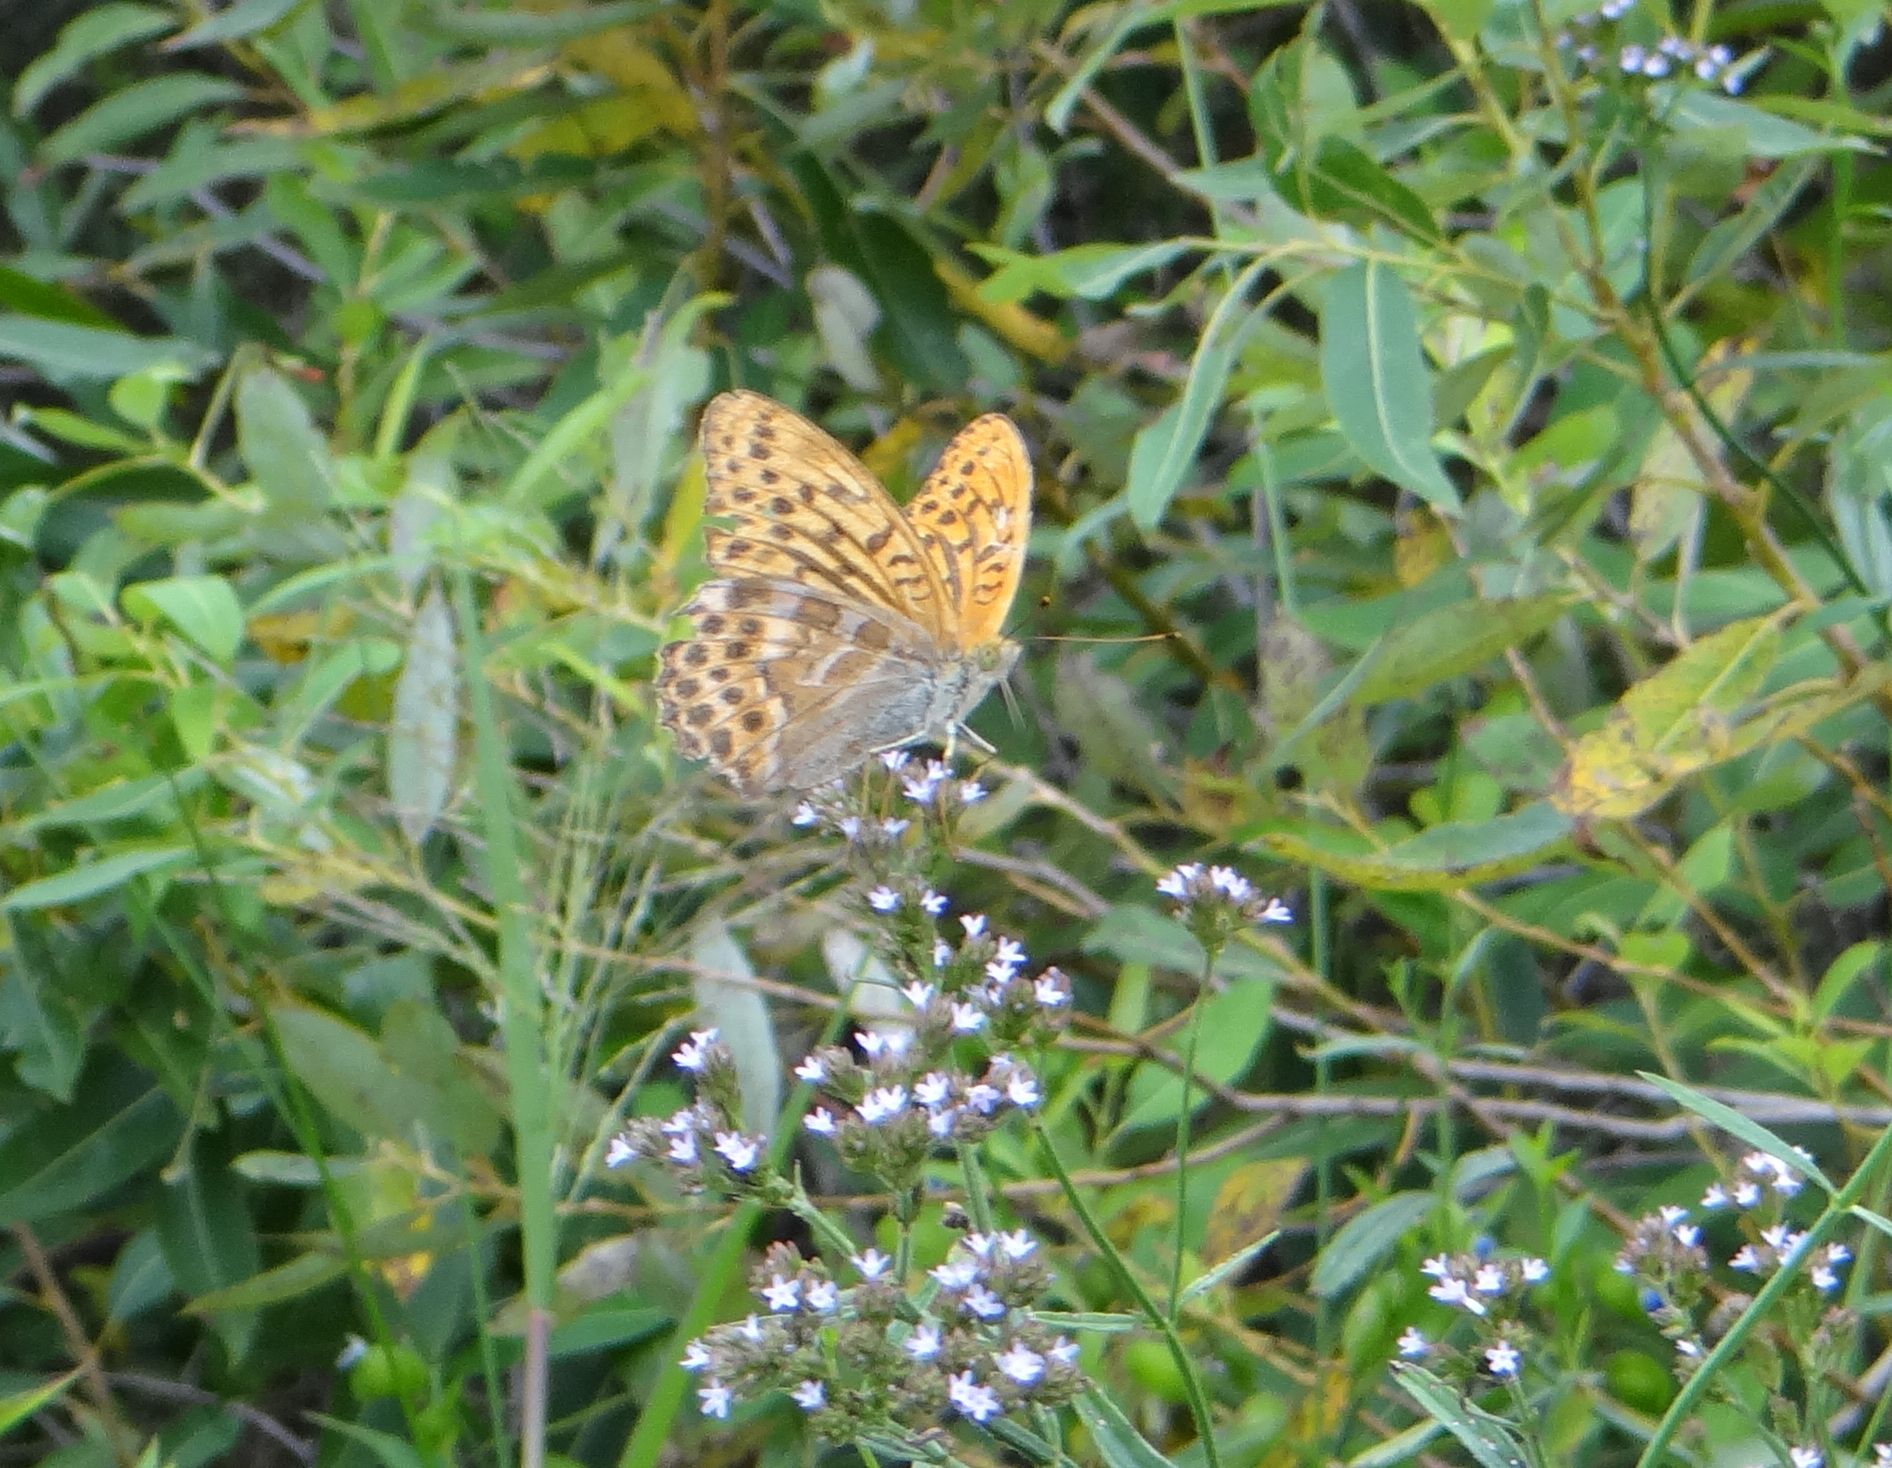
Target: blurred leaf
[(70, 1157), (728, 1001), (1488, 1439), (423, 740), (240, 19), (1674, 722), (1117, 1443), (89, 879), (1234, 1022), (204, 608), (1446, 641), (1360, 1243), (96, 30), (1089, 272), (204, 1225), (285, 455), (1699, 116), (132, 111), (1442, 858), (62, 350), (17, 1407), (1375, 378), (1167, 448)]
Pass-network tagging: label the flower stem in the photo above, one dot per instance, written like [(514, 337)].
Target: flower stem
[(1182, 1130), (1193, 1392)]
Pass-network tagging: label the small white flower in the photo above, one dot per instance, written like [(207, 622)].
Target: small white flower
[(1412, 1343), (620, 1151), (1017, 1245), (1631, 58), (850, 827), (1746, 1260), (893, 827), (805, 815), (971, 792), (1688, 1235), (1746, 1194), (942, 953), (1882, 1452), (351, 1352), (1276, 911), (695, 1356), (1454, 1292), (715, 1399), (957, 1273), (691, 1054), (810, 1396), (680, 1122), (978, 1245), (970, 1397), (1838, 1254), (872, 1264), (1806, 1458), (822, 1297), (1438, 1267), (968, 1019), (1489, 1280), (683, 1150), (1022, 1090), (1176, 883), (812, 1070), (883, 1104), (1715, 1197), (1689, 1348), (973, 923), (738, 1151), (917, 994), (920, 788), (931, 903), (1533, 1270), (1021, 1363), (782, 1295), (1823, 1279), (933, 1088), (750, 1329), (1231, 884), (820, 1121), (872, 1042), (1049, 992), (923, 1344), (983, 1303), (1502, 1359), (883, 899), (1671, 1215), (982, 1098), (895, 759)]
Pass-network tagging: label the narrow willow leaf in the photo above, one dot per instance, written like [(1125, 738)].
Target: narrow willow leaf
[(423, 742), (97, 30), (1366, 1238), (204, 609), (1488, 1440), (93, 877), (1377, 383), (1737, 1125), (133, 111), (1117, 1443)]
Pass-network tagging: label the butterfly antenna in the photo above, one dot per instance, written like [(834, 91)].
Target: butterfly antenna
[(1011, 702)]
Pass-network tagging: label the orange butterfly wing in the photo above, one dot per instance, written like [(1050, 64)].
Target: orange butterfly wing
[(973, 516)]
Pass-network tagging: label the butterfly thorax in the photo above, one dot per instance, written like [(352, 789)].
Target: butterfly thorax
[(965, 680)]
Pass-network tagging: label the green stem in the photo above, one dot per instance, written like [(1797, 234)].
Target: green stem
[(978, 1205), (1182, 1130), (1838, 1209), (1192, 1381)]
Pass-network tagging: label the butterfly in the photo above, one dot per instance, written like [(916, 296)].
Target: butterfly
[(837, 626)]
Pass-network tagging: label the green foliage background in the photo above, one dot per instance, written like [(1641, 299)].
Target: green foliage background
[(1497, 445)]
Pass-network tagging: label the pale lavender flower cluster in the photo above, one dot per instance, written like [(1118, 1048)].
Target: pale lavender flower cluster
[(702, 1144), (1488, 1290), (868, 1358), (1216, 902), (1666, 1254), (929, 785), (1595, 43)]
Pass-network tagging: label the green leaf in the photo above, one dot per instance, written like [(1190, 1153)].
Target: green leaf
[(131, 112), (1165, 450), (1443, 858), (1757, 134), (62, 1160), (1088, 272), (209, 1240), (1234, 1023), (1488, 1439), (1117, 1443), (97, 30), (63, 350), (286, 456), (1377, 383), (1368, 1237), (91, 878), (16, 1408), (204, 608), (244, 18), (1737, 1125), (423, 740), (1447, 641), (298, 1277)]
